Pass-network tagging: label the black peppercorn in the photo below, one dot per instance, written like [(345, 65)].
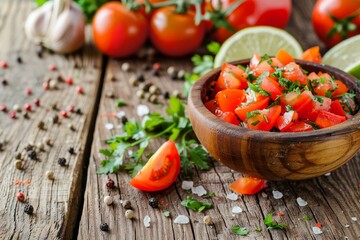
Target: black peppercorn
[(31, 154), (166, 95), (124, 120), (78, 111), (104, 227), (29, 209), (153, 202), (4, 82), (71, 150), (110, 183), (140, 78), (19, 59), (62, 161)]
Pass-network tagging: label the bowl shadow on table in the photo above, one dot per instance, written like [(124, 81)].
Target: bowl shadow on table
[(275, 155)]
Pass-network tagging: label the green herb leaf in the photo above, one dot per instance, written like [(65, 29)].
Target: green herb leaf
[(213, 47), (209, 195), (307, 218), (241, 231), (166, 214), (120, 103), (195, 205), (258, 229), (271, 224), (39, 3)]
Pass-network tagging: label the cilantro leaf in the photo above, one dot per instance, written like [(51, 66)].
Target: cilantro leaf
[(241, 231), (120, 103), (195, 205), (271, 224)]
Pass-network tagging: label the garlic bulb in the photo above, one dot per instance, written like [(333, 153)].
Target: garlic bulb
[(59, 25)]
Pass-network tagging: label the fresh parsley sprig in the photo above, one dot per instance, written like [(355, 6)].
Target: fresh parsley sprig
[(126, 150), (195, 205)]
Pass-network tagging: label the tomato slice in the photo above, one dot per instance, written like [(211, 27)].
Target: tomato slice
[(231, 77), (258, 105), (263, 119), (312, 54), (160, 171), (229, 99), (272, 87), (337, 108), (248, 185), (284, 57), (341, 88), (327, 119)]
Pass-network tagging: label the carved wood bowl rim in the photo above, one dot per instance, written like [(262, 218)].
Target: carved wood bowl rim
[(200, 115)]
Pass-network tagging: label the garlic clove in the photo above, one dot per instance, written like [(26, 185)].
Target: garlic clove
[(68, 32), (37, 23)]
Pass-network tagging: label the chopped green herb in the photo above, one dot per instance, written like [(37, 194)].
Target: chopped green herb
[(307, 218), (271, 224), (252, 114), (289, 108), (166, 214), (265, 118), (328, 94), (209, 195), (120, 103), (195, 205), (241, 231), (258, 229), (255, 123)]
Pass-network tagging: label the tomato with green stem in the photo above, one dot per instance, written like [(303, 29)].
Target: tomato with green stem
[(160, 171), (248, 185), (335, 20), (118, 31), (175, 34)]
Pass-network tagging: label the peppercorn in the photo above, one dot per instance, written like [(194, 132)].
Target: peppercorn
[(60, 78), (71, 108), (50, 175), (54, 106), (112, 78), (37, 102), (62, 161), (40, 146), (19, 59), (133, 81), (108, 200), (45, 85), (126, 204), (166, 95), (3, 108), (129, 214), (125, 67), (153, 202), (110, 183), (145, 86), (71, 150), (153, 98), (124, 120), (140, 77), (64, 114), (140, 93), (29, 147), (17, 155), (52, 67), (41, 125), (18, 164), (173, 75), (28, 91), (208, 220), (79, 90), (146, 67), (176, 93), (78, 111), (110, 94), (21, 197), (4, 82), (155, 73), (53, 83), (170, 70), (28, 209), (32, 154), (69, 80), (16, 108), (154, 89), (27, 107), (71, 127), (54, 119), (47, 141), (181, 74), (3, 64), (104, 227)]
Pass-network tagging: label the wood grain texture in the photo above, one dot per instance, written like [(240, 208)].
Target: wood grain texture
[(55, 202), (274, 155)]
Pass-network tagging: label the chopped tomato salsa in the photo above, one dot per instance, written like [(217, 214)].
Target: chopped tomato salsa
[(276, 94)]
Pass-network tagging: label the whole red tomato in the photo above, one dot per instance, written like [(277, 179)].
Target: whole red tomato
[(175, 34), (274, 13), (118, 31), (343, 10)]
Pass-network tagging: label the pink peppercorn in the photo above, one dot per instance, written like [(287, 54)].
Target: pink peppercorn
[(12, 114), (79, 90), (21, 197), (69, 80), (64, 114), (45, 85), (28, 91), (37, 102), (71, 108), (52, 67), (156, 66), (28, 107), (3, 108), (3, 64)]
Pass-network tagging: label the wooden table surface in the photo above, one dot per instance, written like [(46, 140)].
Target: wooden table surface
[(71, 206)]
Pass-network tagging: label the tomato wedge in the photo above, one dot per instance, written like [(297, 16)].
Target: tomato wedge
[(229, 117), (263, 119), (312, 54), (284, 57), (160, 171), (258, 105), (337, 108), (248, 185), (229, 99), (286, 120), (272, 87), (327, 119), (341, 88)]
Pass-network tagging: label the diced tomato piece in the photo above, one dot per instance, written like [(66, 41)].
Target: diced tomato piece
[(300, 126), (229, 117), (263, 119), (258, 105), (284, 57), (263, 67), (341, 88), (337, 108), (293, 72), (211, 105), (312, 54), (321, 83), (276, 63), (302, 103), (254, 61), (229, 99), (286, 120), (272, 87), (328, 119), (231, 77), (248, 185)]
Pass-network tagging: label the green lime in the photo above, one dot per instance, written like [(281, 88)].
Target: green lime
[(354, 69), (345, 54), (261, 40)]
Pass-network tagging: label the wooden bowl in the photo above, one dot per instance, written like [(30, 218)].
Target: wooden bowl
[(275, 155)]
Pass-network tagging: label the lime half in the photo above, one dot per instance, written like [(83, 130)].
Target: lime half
[(345, 54), (261, 40), (354, 69)]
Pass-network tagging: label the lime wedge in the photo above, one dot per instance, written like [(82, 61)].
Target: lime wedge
[(354, 69), (344, 54), (261, 40)]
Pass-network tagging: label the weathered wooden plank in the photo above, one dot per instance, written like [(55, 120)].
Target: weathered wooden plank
[(55, 203)]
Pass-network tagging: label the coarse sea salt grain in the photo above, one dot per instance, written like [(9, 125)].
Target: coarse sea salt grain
[(199, 190), (182, 219), (236, 210), (109, 126), (317, 230), (147, 221), (232, 196), (264, 195), (277, 194), (327, 174), (301, 202), (142, 110), (187, 185), (354, 219)]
